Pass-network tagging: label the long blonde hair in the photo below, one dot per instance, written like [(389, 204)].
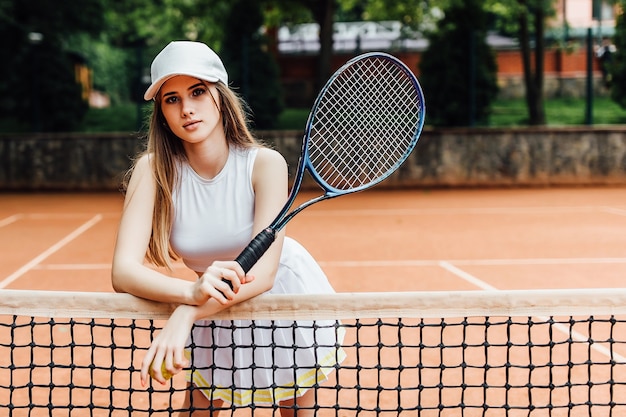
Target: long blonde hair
[(166, 152)]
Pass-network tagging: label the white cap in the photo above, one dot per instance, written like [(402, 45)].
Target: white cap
[(194, 59)]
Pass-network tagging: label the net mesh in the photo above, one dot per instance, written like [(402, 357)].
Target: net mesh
[(365, 124), (519, 353)]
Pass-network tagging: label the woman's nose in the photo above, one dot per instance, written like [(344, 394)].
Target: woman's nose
[(187, 108)]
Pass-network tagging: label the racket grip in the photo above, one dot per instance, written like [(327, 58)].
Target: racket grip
[(255, 249)]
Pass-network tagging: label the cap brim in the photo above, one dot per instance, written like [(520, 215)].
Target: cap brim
[(154, 88)]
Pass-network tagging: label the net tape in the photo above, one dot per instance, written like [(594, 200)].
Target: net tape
[(552, 353)]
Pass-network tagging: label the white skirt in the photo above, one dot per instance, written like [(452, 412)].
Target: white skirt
[(241, 362)]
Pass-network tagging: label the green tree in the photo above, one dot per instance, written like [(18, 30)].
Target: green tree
[(458, 70), (324, 12), (411, 13), (38, 86), (136, 30), (526, 20), (252, 69), (617, 68), (532, 16)]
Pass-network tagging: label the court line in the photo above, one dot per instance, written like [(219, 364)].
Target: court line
[(52, 249), (541, 261), (485, 262), (375, 212), (401, 263), (558, 326), (71, 267), (467, 276), (65, 215), (613, 210), (467, 210), (11, 219), (393, 211), (50, 216)]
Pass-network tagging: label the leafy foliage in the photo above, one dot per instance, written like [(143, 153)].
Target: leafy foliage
[(526, 20), (38, 87), (118, 38), (458, 70), (410, 13), (251, 68), (617, 67)]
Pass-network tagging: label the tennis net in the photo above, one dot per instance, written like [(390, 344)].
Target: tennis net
[(457, 353)]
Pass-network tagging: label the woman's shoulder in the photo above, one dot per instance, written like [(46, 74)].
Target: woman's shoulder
[(269, 156), (139, 177), (143, 161), (141, 170), (269, 164)]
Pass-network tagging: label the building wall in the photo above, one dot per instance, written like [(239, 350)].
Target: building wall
[(579, 13)]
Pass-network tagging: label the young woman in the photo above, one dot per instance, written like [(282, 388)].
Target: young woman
[(201, 191)]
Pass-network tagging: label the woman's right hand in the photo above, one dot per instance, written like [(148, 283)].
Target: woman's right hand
[(166, 352), (221, 281)]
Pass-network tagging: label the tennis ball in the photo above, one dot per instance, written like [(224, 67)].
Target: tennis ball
[(166, 374)]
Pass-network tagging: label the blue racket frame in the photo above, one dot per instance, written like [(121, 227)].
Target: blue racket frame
[(265, 238)]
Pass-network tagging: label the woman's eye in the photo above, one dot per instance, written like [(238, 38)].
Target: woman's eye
[(198, 91), (170, 100)]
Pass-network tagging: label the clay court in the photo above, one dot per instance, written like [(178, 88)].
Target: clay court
[(379, 240), (390, 241)]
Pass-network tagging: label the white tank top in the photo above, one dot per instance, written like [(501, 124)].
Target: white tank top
[(213, 218)]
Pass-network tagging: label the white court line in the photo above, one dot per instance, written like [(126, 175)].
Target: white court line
[(52, 249), (71, 267), (53, 216), (50, 216), (86, 267), (11, 219), (458, 210), (486, 262), (466, 276), (613, 210), (541, 261), (400, 263), (560, 327)]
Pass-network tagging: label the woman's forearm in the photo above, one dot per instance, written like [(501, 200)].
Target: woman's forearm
[(148, 283)]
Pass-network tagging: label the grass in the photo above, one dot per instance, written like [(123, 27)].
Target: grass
[(120, 118), (128, 117), (505, 113), (293, 119), (509, 113), (559, 112)]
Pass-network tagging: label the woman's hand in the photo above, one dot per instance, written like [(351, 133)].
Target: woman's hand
[(167, 351), (221, 281)]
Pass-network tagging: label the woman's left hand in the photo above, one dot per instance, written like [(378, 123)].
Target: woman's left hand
[(221, 281), (167, 351)]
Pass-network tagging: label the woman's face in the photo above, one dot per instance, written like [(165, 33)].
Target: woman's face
[(190, 108)]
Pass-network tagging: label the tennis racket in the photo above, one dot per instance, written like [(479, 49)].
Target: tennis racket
[(363, 125)]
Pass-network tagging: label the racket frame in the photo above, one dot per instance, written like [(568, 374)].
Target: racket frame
[(304, 163), (263, 240)]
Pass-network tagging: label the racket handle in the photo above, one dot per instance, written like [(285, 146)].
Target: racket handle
[(255, 249), (253, 252)]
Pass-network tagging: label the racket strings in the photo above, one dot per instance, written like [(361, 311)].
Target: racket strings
[(364, 124)]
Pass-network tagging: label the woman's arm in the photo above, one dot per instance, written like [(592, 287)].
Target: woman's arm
[(270, 184), (130, 274)]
